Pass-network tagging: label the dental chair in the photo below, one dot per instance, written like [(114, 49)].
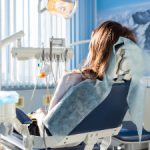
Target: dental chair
[(98, 127)]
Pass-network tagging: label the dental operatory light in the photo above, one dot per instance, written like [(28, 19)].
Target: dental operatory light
[(65, 8)]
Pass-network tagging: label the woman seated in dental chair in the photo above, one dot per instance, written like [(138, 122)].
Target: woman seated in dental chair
[(100, 49)]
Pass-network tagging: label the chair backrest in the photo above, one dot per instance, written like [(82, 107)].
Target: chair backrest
[(109, 114)]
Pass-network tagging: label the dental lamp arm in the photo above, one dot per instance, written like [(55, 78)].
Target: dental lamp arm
[(79, 43), (7, 41), (11, 38)]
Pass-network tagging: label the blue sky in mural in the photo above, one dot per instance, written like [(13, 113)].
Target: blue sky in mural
[(103, 5), (134, 14)]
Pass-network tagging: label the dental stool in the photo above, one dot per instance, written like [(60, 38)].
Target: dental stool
[(98, 127), (128, 137)]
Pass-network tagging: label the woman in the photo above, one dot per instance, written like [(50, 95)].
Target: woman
[(102, 40), (100, 48)]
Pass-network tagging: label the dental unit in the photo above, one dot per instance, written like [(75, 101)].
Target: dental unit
[(91, 113)]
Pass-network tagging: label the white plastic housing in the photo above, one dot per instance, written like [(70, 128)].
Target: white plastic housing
[(7, 112), (25, 53)]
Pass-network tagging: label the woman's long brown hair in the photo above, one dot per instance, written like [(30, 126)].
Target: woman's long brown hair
[(100, 48)]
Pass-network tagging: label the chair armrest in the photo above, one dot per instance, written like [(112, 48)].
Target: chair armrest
[(22, 117)]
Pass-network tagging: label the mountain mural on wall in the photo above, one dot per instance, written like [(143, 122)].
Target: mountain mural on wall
[(136, 18)]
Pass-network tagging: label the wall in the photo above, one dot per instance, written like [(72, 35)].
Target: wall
[(134, 14), (81, 26), (37, 102)]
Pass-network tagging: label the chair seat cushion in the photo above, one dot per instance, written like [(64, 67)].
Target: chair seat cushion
[(129, 133)]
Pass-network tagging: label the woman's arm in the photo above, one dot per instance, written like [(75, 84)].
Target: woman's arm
[(68, 80)]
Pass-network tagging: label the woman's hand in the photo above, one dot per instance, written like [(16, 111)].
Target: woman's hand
[(38, 114)]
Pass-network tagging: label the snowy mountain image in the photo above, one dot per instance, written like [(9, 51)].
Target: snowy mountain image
[(136, 18)]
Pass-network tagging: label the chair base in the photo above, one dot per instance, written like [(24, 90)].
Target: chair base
[(103, 138)]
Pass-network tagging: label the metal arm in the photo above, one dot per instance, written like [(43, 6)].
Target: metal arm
[(12, 38), (7, 41)]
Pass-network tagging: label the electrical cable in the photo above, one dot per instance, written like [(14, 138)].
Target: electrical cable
[(50, 58), (57, 68), (65, 58), (44, 138), (33, 92)]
